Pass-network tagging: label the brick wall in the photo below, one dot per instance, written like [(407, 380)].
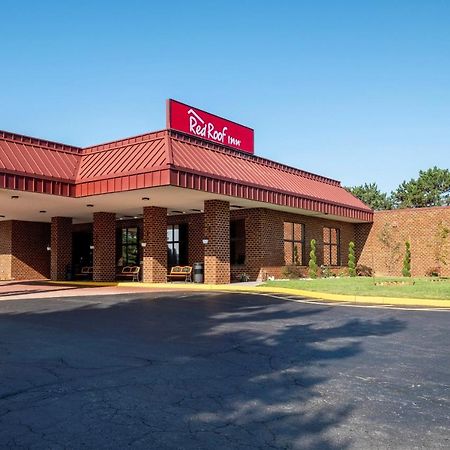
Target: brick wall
[(217, 251), (104, 238), (155, 251), (5, 250), (23, 253), (61, 247), (419, 226), (254, 243), (30, 259), (264, 240), (265, 255), (195, 222)]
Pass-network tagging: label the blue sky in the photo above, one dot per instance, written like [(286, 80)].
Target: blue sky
[(354, 90)]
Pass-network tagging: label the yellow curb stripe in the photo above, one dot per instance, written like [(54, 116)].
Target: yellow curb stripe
[(397, 301)]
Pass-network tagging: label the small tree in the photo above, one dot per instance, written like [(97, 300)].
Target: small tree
[(313, 260), (296, 258), (440, 244), (351, 259), (407, 260)]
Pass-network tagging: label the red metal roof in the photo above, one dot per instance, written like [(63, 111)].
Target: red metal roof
[(249, 169), (167, 157), (129, 156), (35, 157)]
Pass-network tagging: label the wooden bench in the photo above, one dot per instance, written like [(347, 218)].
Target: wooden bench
[(131, 272), (86, 272), (182, 273)]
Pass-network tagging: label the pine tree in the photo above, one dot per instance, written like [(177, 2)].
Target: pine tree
[(407, 260), (313, 260), (351, 259)]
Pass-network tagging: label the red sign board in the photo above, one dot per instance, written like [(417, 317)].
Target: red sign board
[(204, 125)]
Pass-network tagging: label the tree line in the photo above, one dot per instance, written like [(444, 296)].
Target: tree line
[(430, 188)]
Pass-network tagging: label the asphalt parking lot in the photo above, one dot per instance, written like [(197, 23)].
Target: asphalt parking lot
[(220, 371)]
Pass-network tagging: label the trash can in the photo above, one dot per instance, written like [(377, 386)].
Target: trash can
[(198, 269), (69, 272)]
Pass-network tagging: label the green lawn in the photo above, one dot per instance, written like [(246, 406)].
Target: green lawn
[(422, 287)]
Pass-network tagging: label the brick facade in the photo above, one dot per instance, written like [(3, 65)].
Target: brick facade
[(264, 230), (155, 251), (217, 250), (23, 253), (383, 242), (61, 247), (195, 223), (104, 231), (5, 250), (23, 250)]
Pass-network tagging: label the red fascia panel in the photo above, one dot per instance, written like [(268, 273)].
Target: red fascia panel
[(225, 187), (30, 184), (124, 183)]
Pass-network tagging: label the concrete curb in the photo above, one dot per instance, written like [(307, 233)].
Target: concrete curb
[(396, 301)]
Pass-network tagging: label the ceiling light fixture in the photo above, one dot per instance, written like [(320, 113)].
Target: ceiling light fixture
[(43, 212), (14, 197), (145, 199), (89, 205)]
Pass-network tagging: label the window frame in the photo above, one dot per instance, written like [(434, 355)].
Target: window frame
[(182, 241), (126, 245), (330, 245), (295, 242)]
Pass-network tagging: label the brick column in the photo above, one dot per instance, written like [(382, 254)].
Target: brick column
[(104, 231), (6, 250), (61, 247), (217, 251), (155, 252)]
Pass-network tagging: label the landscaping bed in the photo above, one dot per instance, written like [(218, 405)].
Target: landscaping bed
[(366, 286)]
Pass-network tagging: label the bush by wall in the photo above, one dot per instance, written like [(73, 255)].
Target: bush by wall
[(313, 268)]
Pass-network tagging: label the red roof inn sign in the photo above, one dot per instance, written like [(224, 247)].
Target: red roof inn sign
[(207, 126)]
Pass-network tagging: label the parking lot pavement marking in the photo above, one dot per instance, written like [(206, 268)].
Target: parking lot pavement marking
[(351, 305)]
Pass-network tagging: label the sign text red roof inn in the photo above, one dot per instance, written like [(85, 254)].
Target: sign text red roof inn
[(198, 123), (169, 158)]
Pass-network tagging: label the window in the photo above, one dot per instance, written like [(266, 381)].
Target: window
[(294, 243), (331, 246), (237, 241), (127, 246), (177, 248)]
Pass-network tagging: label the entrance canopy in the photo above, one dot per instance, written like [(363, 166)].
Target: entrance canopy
[(163, 168)]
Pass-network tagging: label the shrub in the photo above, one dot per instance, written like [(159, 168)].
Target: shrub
[(433, 272), (313, 260), (296, 258), (244, 278), (326, 272), (363, 271), (406, 271), (351, 259), (292, 272)]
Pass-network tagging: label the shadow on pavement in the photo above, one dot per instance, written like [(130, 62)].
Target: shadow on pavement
[(214, 371)]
